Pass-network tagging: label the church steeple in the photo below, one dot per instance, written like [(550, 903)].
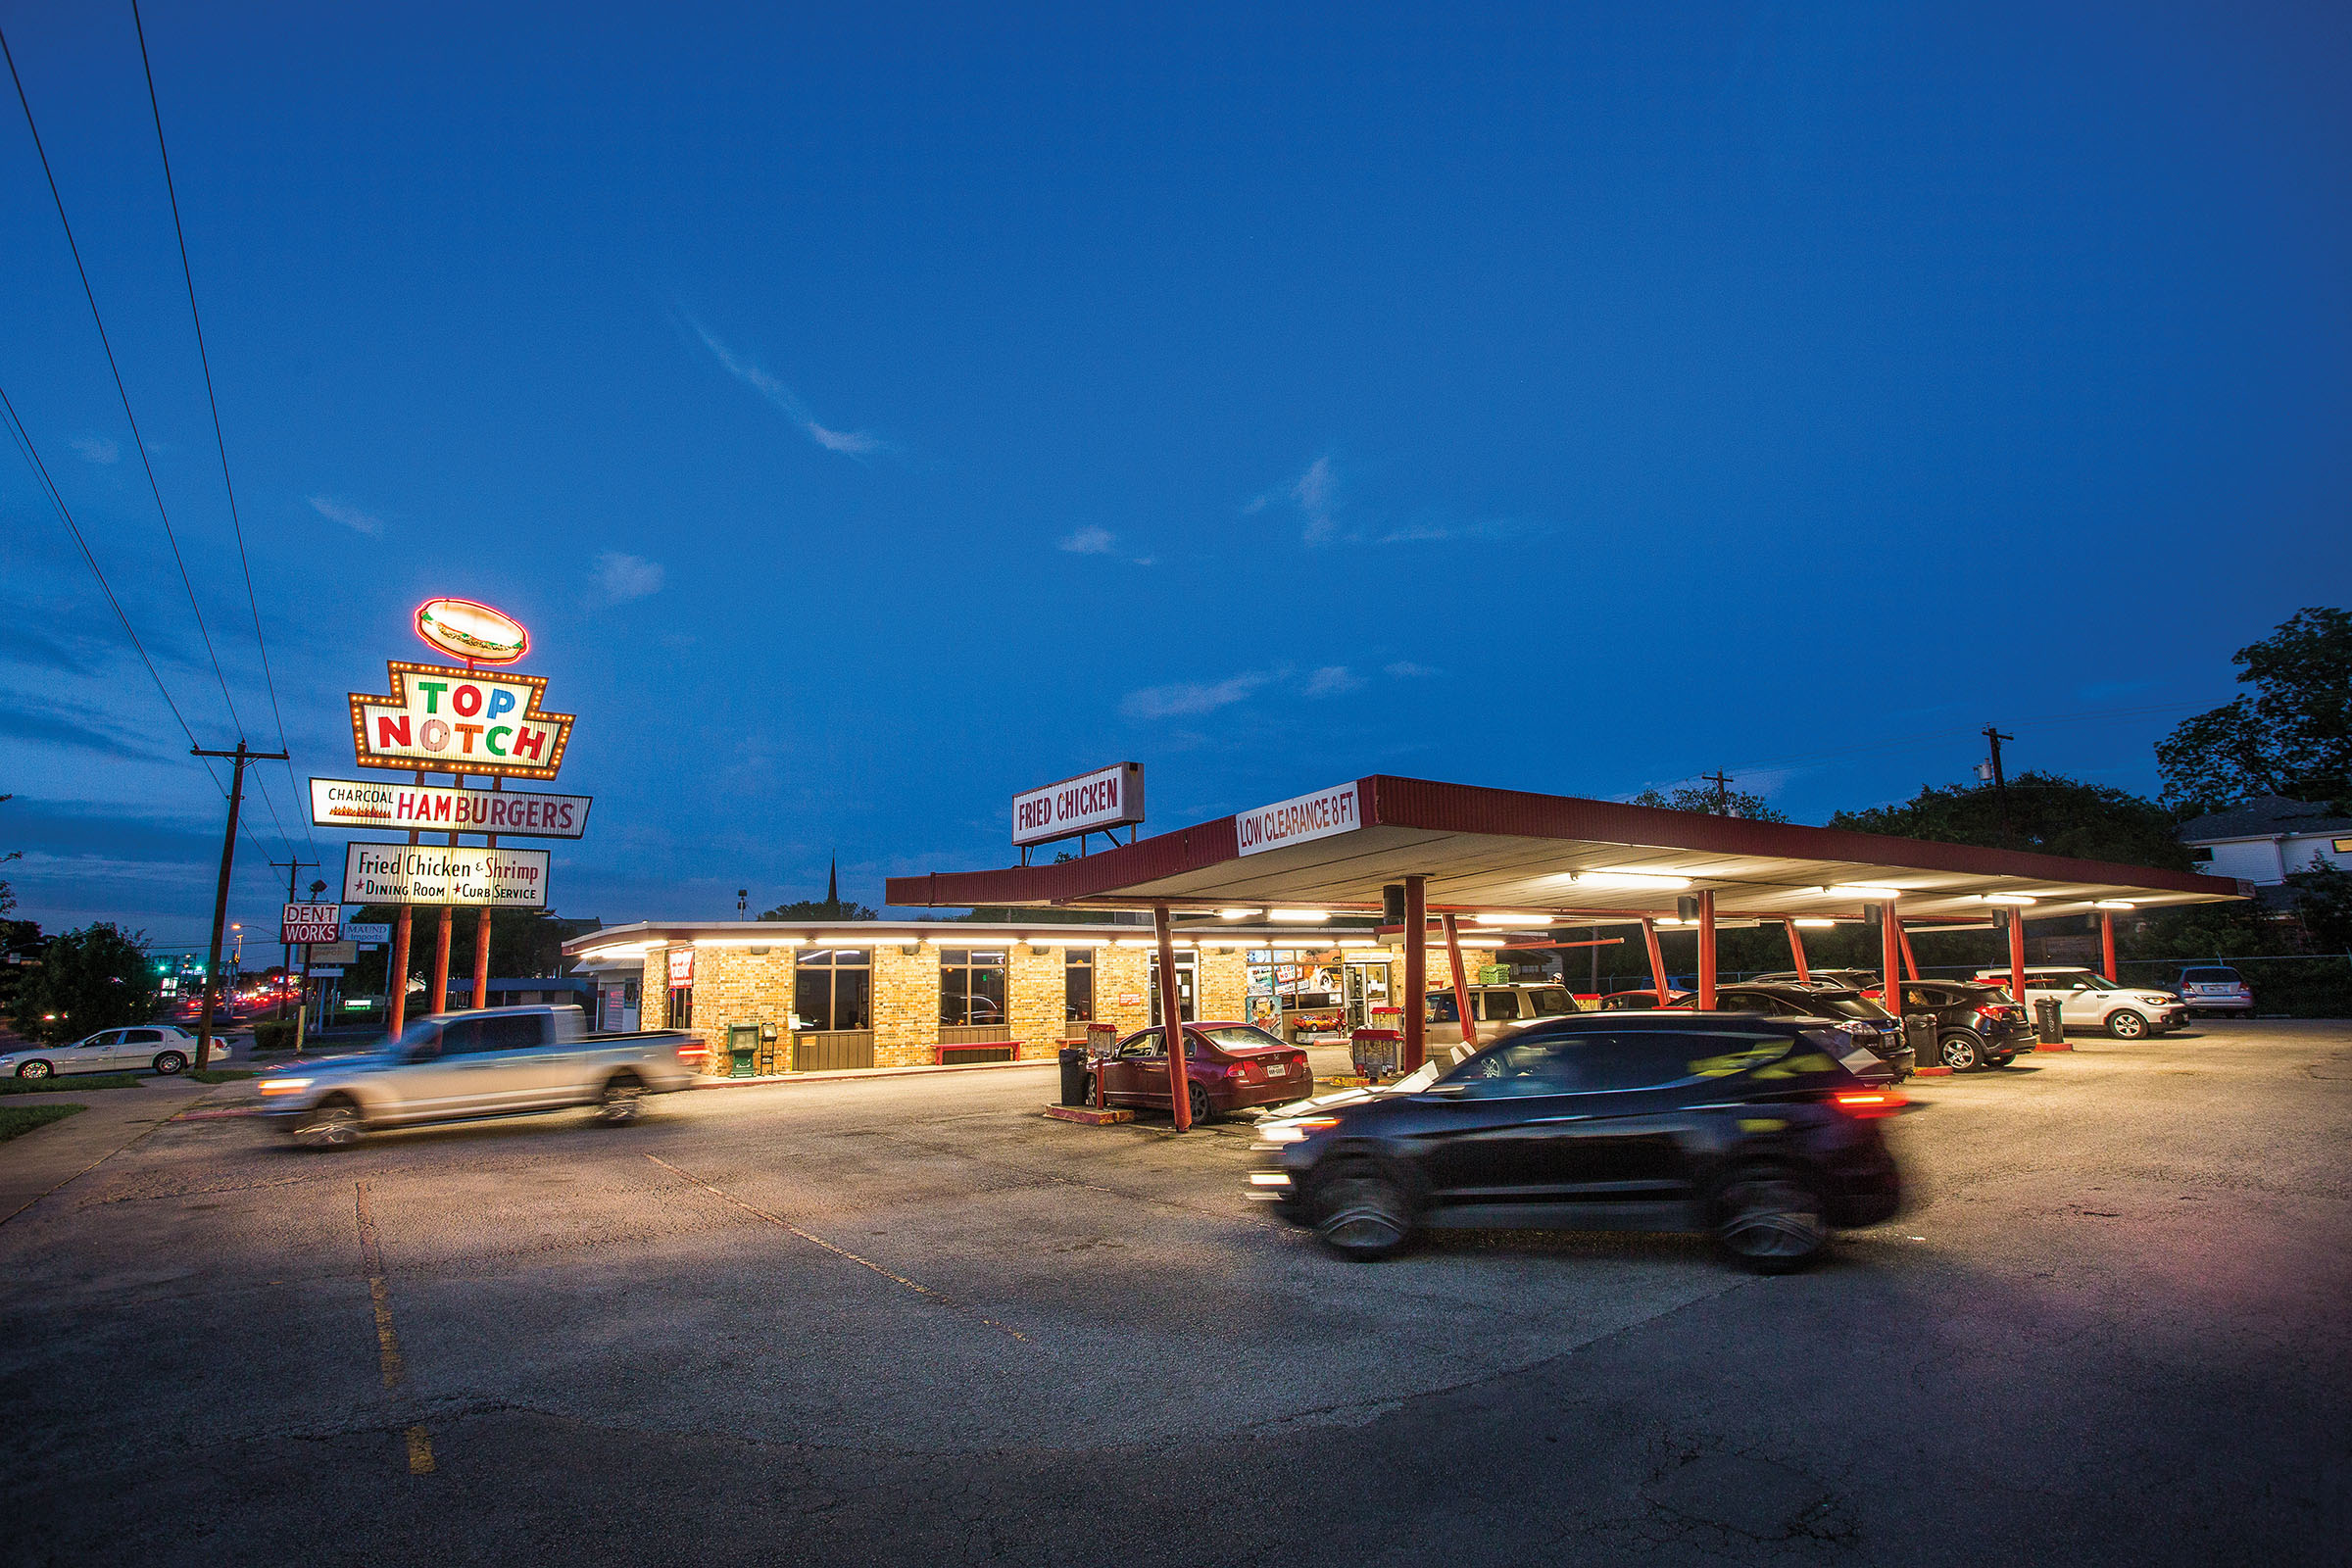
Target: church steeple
[(833, 886)]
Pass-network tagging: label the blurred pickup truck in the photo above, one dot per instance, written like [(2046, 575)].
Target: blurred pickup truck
[(496, 1062)]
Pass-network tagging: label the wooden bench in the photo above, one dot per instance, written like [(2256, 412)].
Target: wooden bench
[(976, 1051)]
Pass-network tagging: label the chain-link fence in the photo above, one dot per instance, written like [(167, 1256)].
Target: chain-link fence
[(2289, 986)]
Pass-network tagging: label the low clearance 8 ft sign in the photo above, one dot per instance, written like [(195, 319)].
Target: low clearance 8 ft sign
[(460, 721)]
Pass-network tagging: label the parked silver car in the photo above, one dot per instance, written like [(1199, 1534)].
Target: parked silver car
[(498, 1061)]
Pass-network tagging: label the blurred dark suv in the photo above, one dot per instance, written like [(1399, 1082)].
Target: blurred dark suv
[(1976, 1025), (1758, 1132)]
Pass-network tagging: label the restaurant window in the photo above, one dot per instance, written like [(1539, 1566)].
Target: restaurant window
[(1186, 990), (681, 1006), (832, 988), (1078, 985), (971, 986)]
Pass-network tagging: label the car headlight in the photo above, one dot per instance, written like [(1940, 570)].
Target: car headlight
[(1296, 1132), (283, 1086)]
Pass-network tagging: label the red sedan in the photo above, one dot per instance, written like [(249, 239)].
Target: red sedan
[(1227, 1066)]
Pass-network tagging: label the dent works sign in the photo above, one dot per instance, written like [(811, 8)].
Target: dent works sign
[(1108, 797), (1300, 819), (304, 923), (460, 721), (434, 874), (517, 813)]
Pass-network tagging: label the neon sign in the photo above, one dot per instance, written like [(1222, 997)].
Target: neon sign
[(464, 629), (460, 721)]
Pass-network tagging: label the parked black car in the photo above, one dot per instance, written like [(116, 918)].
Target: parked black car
[(1862, 980), (1762, 1134), (1976, 1025), (1828, 1001)]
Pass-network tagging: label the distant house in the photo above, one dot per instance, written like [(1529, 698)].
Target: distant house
[(2267, 838)]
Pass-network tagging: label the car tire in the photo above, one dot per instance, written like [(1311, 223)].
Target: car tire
[(622, 1098), (1203, 1112), (334, 1122), (2124, 1024), (36, 1069), (170, 1062), (1087, 1096), (1360, 1214), (1962, 1049), (1769, 1219), (2004, 1059)]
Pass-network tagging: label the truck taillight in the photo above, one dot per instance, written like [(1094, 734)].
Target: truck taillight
[(692, 1050)]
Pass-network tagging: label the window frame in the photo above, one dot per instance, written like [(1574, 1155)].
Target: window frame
[(805, 967)]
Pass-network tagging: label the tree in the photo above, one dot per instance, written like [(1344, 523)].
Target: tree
[(8, 895), (2324, 899), (2048, 813), (1692, 798), (87, 980), (821, 909), (2292, 738)]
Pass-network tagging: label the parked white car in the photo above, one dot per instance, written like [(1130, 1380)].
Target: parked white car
[(2088, 999), (2216, 988), (150, 1048)]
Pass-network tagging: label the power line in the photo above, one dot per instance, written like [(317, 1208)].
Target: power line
[(219, 440), (65, 513), (120, 390)]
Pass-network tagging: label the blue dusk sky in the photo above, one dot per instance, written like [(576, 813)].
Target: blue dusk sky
[(874, 411)]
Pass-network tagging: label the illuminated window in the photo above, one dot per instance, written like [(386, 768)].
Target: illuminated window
[(971, 986), (832, 988), (1078, 986)]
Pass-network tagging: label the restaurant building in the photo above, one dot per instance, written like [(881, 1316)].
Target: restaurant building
[(818, 995)]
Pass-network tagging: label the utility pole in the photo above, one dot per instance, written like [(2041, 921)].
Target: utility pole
[(286, 967), (229, 854), (1723, 787), (2000, 783), (302, 1015), (743, 897)]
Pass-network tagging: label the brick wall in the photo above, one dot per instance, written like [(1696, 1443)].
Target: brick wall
[(905, 1005), (735, 986), (1034, 998)]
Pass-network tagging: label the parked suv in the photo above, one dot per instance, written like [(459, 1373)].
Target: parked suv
[(2215, 988), (1976, 1025), (2088, 999), (1496, 1008), (1827, 1002), (1758, 1132), (496, 1062)]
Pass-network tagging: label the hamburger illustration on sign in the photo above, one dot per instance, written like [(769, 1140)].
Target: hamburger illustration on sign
[(464, 629)]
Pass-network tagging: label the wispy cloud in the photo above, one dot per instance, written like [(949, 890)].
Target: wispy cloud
[(626, 577), (1315, 493), (57, 725), (1185, 698), (1091, 542), (1415, 533), (1407, 670), (97, 449), (1332, 680), (349, 516), (849, 443)]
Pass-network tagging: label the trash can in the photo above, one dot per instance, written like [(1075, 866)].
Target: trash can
[(1919, 1033), (2049, 1021), (1073, 1075), (743, 1046)]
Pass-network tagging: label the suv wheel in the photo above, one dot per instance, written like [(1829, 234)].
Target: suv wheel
[(2124, 1024), (1962, 1049), (1770, 1220), (621, 1100), (1361, 1214), (331, 1124)]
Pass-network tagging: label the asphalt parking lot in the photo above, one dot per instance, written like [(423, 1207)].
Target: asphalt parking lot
[(911, 1319)]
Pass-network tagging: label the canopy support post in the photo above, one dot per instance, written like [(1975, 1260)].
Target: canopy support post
[(1461, 986), (1891, 959), (1706, 951), (1416, 971), (1657, 960), (1910, 963), (1171, 1021), (1796, 951), (2017, 961), (2107, 945)]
